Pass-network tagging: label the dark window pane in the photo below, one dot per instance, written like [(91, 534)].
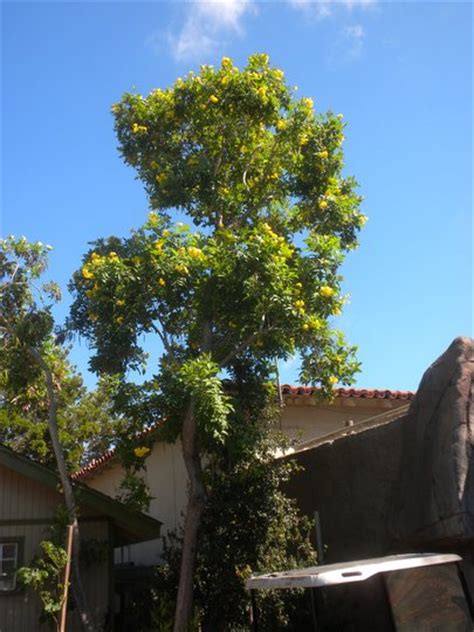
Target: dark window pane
[(9, 551)]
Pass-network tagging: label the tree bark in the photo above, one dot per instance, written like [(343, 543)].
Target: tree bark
[(86, 619), (194, 511)]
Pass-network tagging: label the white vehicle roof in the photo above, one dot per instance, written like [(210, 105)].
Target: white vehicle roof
[(332, 574)]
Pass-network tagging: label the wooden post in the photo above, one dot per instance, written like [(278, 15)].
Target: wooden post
[(67, 572)]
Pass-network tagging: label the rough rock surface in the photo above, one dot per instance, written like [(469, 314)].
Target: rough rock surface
[(436, 498)]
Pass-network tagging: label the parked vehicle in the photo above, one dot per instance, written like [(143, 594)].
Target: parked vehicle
[(402, 593)]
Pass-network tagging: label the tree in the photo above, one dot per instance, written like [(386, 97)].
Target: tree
[(32, 366), (253, 279)]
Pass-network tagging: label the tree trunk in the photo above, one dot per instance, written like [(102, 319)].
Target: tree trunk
[(77, 586), (194, 510)]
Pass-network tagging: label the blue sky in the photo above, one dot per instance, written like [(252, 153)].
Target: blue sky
[(401, 73)]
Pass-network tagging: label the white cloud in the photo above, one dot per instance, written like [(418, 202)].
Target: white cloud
[(324, 8), (205, 22), (354, 36)]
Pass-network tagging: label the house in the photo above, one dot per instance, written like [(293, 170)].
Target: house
[(303, 419), (29, 498)]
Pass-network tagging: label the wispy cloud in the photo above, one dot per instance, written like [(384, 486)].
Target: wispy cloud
[(347, 47), (324, 8), (354, 36), (205, 23)]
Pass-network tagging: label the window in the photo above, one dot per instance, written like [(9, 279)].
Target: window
[(9, 554)]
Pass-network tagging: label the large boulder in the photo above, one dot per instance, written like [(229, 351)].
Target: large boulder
[(436, 494)]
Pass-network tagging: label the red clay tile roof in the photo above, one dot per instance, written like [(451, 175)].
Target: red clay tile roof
[(357, 393), (287, 390)]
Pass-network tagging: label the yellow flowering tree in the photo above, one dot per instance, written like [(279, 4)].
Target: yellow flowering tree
[(250, 280)]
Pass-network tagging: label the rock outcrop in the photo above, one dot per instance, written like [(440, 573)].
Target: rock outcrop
[(436, 493)]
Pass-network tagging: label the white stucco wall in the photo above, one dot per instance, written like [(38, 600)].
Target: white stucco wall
[(302, 419)]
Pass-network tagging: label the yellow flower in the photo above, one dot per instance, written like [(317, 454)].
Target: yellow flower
[(336, 311), (139, 129), (323, 204), (304, 139), (161, 178), (299, 285), (158, 247), (93, 316), (279, 74), (305, 327), (87, 273), (120, 302), (113, 256), (326, 291), (281, 124), (274, 176), (307, 102), (181, 268), (195, 253), (323, 154), (152, 217), (141, 452), (226, 62), (262, 91), (213, 99), (333, 380), (119, 320), (161, 282), (299, 304)]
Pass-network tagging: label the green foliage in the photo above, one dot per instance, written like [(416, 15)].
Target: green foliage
[(45, 577)]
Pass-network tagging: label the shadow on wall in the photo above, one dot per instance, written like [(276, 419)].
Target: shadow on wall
[(407, 485)]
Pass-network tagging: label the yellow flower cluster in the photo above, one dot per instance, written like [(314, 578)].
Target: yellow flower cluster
[(324, 155), (195, 253), (313, 324), (120, 302), (262, 91), (281, 125), (323, 204), (87, 272), (307, 103), (161, 282), (226, 62), (303, 139), (278, 74), (181, 268), (141, 452), (139, 129), (333, 380), (214, 99), (326, 291)]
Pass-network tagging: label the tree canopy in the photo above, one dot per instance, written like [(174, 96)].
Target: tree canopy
[(248, 279)]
